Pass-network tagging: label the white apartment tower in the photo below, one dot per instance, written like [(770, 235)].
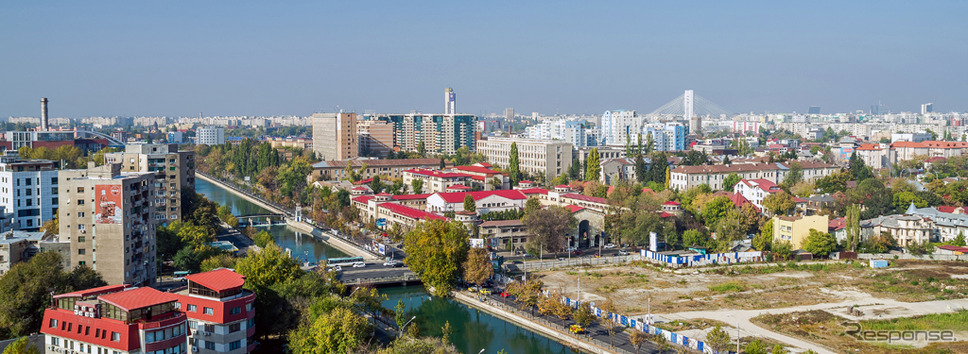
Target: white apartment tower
[(450, 101), (28, 189)]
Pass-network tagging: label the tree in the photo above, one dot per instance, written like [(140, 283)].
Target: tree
[(340, 330), (716, 209), (781, 249), (583, 315), (548, 227), (960, 240), (224, 260), (730, 181), (21, 346), (262, 239), (649, 144), (794, 175), (532, 205), (609, 320), (692, 238), (779, 203), (756, 347), (417, 185), (835, 182), (639, 168), (266, 267), (718, 339), (435, 251), (764, 239), (853, 226), (399, 314), (514, 167), (527, 293), (637, 338), (478, 266), (820, 243), (469, 204), (593, 167), (411, 345), (920, 248), (422, 149), (858, 168)]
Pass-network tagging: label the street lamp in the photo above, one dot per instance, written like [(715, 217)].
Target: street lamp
[(405, 324), (482, 351)]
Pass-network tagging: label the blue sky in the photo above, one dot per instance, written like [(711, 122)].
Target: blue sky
[(257, 58)]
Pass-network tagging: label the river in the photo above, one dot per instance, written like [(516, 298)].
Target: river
[(473, 329)]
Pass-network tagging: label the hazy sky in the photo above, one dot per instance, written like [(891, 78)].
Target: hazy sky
[(107, 58)]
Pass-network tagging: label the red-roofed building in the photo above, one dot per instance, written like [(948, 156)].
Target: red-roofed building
[(755, 190), (951, 250), (573, 208), (486, 201), (435, 181), (115, 319), (672, 207), (485, 178), (458, 188), (406, 217), (221, 314)]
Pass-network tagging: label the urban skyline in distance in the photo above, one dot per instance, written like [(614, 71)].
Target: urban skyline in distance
[(225, 59)]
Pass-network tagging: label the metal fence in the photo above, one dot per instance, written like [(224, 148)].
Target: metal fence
[(577, 261)]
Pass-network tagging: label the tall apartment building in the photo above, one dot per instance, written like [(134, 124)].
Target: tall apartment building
[(376, 137), (617, 125), (108, 216), (572, 131), (174, 173), (212, 315), (548, 157), (440, 133), (335, 136), (210, 135), (28, 189)]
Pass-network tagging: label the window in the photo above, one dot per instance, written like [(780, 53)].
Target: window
[(192, 324), (55, 341), (235, 345), (81, 251), (192, 308), (53, 323), (235, 327), (115, 337), (208, 311), (178, 305), (210, 345), (236, 310)]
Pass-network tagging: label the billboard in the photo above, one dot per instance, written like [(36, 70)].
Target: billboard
[(477, 243), (109, 201)]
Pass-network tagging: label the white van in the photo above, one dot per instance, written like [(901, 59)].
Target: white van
[(359, 265)]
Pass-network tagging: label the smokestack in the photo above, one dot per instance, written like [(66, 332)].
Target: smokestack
[(43, 114)]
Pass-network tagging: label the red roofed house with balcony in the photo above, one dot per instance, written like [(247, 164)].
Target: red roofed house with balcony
[(405, 216), (115, 319), (434, 181), (484, 177), (755, 190), (221, 314)]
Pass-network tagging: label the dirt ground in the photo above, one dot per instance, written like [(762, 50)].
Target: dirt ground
[(760, 286)]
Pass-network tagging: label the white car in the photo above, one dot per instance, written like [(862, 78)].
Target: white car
[(610, 245), (335, 269), (623, 252), (391, 264), (359, 265)]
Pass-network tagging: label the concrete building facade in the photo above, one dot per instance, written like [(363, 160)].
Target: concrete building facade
[(335, 136), (174, 174), (29, 190), (548, 157), (210, 135)]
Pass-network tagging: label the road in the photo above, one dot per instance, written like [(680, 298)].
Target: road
[(873, 309)]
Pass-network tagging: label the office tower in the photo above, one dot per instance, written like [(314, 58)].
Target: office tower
[(508, 114), (927, 108), (334, 136), (813, 110), (376, 137), (549, 157), (174, 174), (210, 136), (441, 134), (175, 137), (28, 189), (108, 216), (450, 101)]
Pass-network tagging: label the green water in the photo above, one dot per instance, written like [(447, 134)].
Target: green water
[(473, 330), (303, 246)]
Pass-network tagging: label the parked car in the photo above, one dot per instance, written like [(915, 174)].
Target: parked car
[(359, 265), (610, 245), (623, 252), (392, 264), (335, 269), (576, 253)]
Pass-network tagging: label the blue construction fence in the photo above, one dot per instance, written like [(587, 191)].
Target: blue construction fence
[(704, 259), (639, 325)]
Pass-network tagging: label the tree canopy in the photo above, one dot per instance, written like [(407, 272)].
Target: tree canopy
[(435, 251)]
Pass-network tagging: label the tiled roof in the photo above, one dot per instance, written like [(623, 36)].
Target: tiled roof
[(533, 191), (93, 291), (438, 174), (410, 212), (499, 223), (459, 187), (954, 248), (218, 280), (137, 298), (836, 224), (411, 196), (458, 197), (477, 169), (585, 198), (764, 184), (378, 163), (869, 147), (364, 181), (671, 203), (363, 198), (573, 208)]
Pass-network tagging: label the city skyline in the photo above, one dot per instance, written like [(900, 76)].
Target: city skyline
[(125, 59)]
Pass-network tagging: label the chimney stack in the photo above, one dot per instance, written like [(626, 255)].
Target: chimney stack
[(43, 114)]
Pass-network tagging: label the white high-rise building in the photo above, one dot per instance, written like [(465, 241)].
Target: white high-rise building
[(927, 108), (28, 189), (616, 126), (687, 105), (210, 135), (571, 131)]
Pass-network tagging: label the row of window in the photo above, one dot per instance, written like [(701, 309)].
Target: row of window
[(69, 344), (85, 330), (164, 334)]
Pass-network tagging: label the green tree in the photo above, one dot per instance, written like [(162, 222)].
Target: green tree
[(532, 205), (478, 266), (640, 170), (718, 339), (469, 204), (853, 226), (920, 248), (224, 260), (781, 249), (820, 243), (21, 346), (858, 168), (716, 209), (340, 330), (262, 239), (400, 314), (756, 347), (269, 266), (514, 167), (794, 175), (637, 338), (764, 239), (593, 167), (417, 185), (435, 251), (835, 182), (548, 227), (779, 203), (411, 345), (692, 238), (960, 240), (730, 181), (583, 314)]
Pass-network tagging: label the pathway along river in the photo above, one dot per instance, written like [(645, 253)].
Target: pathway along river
[(473, 329)]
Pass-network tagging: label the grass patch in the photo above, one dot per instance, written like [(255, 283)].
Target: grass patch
[(957, 321), (728, 287)]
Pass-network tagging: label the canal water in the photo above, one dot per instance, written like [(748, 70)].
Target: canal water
[(472, 329)]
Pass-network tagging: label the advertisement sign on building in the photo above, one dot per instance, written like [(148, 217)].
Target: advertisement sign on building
[(477, 243), (109, 202)]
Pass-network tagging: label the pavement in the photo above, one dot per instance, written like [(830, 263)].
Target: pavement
[(231, 234), (619, 342), (872, 308)]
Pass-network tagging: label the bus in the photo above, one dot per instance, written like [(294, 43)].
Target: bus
[(343, 261)]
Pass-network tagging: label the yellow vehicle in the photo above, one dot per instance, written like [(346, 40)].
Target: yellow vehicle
[(485, 292), (576, 329)]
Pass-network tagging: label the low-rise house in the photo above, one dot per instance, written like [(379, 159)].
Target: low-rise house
[(904, 228), (485, 201), (950, 250), (755, 190), (796, 229), (434, 181), (504, 235), (620, 169)]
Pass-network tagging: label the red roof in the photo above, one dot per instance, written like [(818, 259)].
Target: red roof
[(666, 215), (562, 186), (459, 186), (219, 280), (360, 188), (836, 224), (947, 209), (477, 169), (739, 200), (365, 181), (484, 164), (432, 173), (533, 191), (585, 198), (764, 184), (410, 212), (869, 147), (954, 248), (93, 291), (936, 158), (385, 194), (798, 200), (137, 298), (573, 208), (671, 203), (458, 197), (526, 181), (363, 198)]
